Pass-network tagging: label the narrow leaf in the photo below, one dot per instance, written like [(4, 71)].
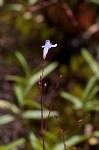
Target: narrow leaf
[(15, 78), (32, 2), (36, 114), (76, 102), (7, 105), (19, 94), (72, 141), (16, 7), (6, 119), (13, 145), (96, 133), (92, 106), (23, 64), (94, 1), (34, 142), (89, 87), (35, 78), (91, 62), (93, 93)]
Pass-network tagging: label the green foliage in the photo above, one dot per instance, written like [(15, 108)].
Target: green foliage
[(22, 88), (31, 2), (93, 2), (36, 114), (23, 22), (76, 139), (16, 7), (35, 142), (6, 119), (13, 145), (72, 141), (91, 62), (24, 64), (1, 3), (76, 102), (88, 101), (34, 78)]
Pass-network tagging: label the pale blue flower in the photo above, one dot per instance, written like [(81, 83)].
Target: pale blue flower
[(46, 47)]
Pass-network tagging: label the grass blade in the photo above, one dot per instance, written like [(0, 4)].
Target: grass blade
[(76, 102), (36, 77), (36, 114), (89, 87), (6, 119), (7, 105), (92, 63), (13, 145), (76, 139), (23, 64)]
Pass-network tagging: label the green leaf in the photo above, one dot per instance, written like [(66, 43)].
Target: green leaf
[(50, 135), (89, 87), (13, 145), (23, 64), (19, 94), (76, 139), (96, 134), (15, 7), (31, 2), (76, 102), (32, 103), (92, 106), (6, 119), (36, 77), (1, 3), (94, 1), (7, 105), (36, 114), (93, 92), (91, 62), (15, 78), (35, 142)]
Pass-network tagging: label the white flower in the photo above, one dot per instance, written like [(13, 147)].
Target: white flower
[(46, 47)]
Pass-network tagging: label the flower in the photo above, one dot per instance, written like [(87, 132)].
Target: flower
[(46, 47)]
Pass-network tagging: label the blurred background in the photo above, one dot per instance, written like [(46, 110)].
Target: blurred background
[(71, 73)]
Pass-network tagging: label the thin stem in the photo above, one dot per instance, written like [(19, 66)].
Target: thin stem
[(52, 102), (62, 131), (82, 120), (42, 119), (46, 124), (42, 101)]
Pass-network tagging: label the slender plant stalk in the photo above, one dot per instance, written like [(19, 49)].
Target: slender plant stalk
[(46, 47), (44, 126), (63, 134), (62, 131), (51, 105), (42, 102), (52, 102)]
